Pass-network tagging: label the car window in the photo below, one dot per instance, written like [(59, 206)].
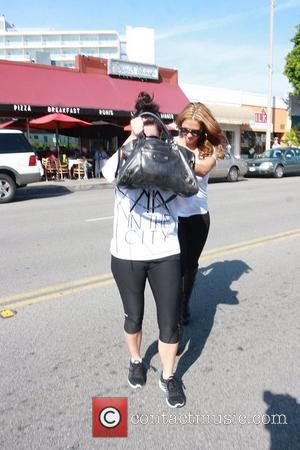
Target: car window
[(289, 154), (270, 154), (14, 143)]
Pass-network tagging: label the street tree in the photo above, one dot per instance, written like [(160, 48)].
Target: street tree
[(292, 137), (292, 67)]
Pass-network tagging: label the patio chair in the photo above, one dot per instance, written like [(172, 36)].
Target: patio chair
[(62, 170), (49, 168), (78, 169)]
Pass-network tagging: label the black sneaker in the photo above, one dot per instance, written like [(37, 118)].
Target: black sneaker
[(173, 388), (137, 375)]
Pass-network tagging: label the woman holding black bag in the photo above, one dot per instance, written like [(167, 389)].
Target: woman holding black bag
[(145, 247)]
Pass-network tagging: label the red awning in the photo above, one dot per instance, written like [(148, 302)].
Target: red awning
[(39, 85)]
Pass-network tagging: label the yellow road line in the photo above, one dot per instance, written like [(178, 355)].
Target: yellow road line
[(97, 281), (57, 287), (45, 298), (249, 244)]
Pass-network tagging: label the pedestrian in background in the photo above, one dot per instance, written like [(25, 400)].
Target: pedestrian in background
[(100, 157)]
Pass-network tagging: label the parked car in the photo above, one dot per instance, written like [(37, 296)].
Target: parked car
[(18, 164), (275, 162), (229, 168)]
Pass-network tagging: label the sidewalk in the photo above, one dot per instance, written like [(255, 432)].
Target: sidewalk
[(76, 185)]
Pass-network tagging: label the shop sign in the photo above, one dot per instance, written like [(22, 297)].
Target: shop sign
[(63, 110), (128, 69), (261, 117), (106, 112), (166, 116), (25, 108)]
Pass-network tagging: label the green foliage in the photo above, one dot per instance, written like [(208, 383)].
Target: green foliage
[(292, 137), (292, 67)]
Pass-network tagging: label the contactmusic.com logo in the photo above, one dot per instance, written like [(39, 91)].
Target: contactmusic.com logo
[(110, 417)]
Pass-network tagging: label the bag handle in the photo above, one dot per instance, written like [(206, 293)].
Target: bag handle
[(160, 122)]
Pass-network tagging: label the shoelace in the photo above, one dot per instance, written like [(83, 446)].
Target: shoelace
[(174, 384)]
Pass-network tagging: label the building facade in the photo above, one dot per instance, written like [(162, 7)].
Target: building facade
[(242, 115), (94, 90), (59, 48)]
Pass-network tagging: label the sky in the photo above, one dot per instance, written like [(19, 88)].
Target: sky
[(218, 43)]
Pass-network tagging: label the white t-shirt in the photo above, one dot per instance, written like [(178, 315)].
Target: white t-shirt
[(197, 204), (145, 221)]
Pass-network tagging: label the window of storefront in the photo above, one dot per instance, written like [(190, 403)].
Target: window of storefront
[(252, 143)]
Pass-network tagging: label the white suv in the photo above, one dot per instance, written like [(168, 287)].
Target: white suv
[(18, 164)]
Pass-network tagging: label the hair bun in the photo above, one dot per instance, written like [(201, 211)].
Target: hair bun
[(145, 103)]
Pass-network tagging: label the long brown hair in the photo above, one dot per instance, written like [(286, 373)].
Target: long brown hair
[(212, 135)]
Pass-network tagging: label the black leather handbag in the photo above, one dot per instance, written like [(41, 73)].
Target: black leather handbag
[(152, 162)]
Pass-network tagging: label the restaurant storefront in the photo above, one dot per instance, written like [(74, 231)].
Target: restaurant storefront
[(253, 135), (97, 89), (89, 90)]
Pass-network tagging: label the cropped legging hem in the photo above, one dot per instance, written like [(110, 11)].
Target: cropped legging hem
[(164, 279)]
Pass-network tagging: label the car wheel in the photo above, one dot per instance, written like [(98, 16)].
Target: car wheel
[(278, 173), (7, 188), (233, 174)]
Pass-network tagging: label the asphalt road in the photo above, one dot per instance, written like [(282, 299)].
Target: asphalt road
[(65, 345)]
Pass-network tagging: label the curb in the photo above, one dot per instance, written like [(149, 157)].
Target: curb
[(74, 185)]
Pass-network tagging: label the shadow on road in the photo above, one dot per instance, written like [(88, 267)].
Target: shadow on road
[(33, 192), (212, 288), (283, 415)]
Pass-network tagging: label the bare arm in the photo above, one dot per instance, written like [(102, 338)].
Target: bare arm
[(206, 165)]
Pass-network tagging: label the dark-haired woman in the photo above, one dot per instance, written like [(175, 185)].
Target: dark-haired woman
[(200, 132), (145, 247)]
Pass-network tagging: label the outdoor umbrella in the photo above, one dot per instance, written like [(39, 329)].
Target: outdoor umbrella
[(7, 124), (57, 121), (17, 124), (98, 129)]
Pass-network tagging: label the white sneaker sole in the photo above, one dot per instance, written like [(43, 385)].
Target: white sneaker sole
[(178, 405), (164, 389), (137, 386)]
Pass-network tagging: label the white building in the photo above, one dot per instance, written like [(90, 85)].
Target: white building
[(56, 47)]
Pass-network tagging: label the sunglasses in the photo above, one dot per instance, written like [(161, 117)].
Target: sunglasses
[(195, 133)]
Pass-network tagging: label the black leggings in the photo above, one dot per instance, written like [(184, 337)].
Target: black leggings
[(165, 282), (192, 234)]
